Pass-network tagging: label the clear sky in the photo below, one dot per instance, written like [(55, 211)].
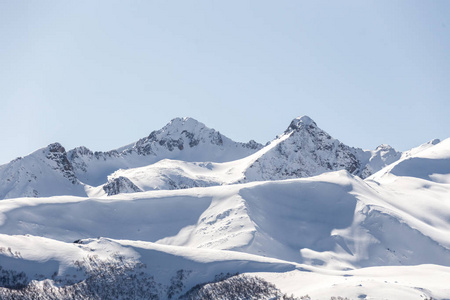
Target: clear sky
[(105, 73)]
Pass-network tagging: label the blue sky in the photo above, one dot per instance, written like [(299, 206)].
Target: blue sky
[(105, 73)]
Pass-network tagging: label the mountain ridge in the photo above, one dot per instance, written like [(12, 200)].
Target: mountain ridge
[(302, 150)]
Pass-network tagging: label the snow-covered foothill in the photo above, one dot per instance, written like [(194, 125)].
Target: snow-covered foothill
[(332, 220), (164, 271), (328, 228)]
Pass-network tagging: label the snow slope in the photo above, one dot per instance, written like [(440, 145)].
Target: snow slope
[(37, 257), (45, 172), (400, 282), (328, 228), (335, 219), (165, 271), (430, 161)]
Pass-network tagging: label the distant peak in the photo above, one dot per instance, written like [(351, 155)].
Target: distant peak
[(384, 147), (300, 122), (80, 150), (183, 120), (178, 125), (56, 147), (305, 120)]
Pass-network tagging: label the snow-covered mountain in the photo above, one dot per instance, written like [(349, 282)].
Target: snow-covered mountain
[(178, 214), (185, 154), (182, 138), (45, 172), (51, 171), (385, 237), (306, 150), (303, 150)]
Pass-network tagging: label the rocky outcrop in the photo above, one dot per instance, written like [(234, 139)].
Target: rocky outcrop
[(120, 185), (57, 155)]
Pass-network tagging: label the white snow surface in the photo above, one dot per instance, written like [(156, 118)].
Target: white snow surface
[(332, 234)]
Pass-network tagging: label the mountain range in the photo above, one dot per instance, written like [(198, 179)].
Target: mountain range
[(183, 154), (187, 213)]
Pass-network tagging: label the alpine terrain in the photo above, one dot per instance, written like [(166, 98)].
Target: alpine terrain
[(188, 213)]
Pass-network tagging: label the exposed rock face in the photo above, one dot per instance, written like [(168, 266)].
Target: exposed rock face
[(120, 185), (57, 154)]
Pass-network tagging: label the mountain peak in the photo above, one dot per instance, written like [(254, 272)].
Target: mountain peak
[(56, 147), (184, 121), (305, 120), (178, 125), (385, 147), (300, 122)]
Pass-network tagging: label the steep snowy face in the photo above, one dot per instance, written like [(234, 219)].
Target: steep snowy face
[(420, 148), (307, 151), (46, 172), (382, 156), (182, 138)]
